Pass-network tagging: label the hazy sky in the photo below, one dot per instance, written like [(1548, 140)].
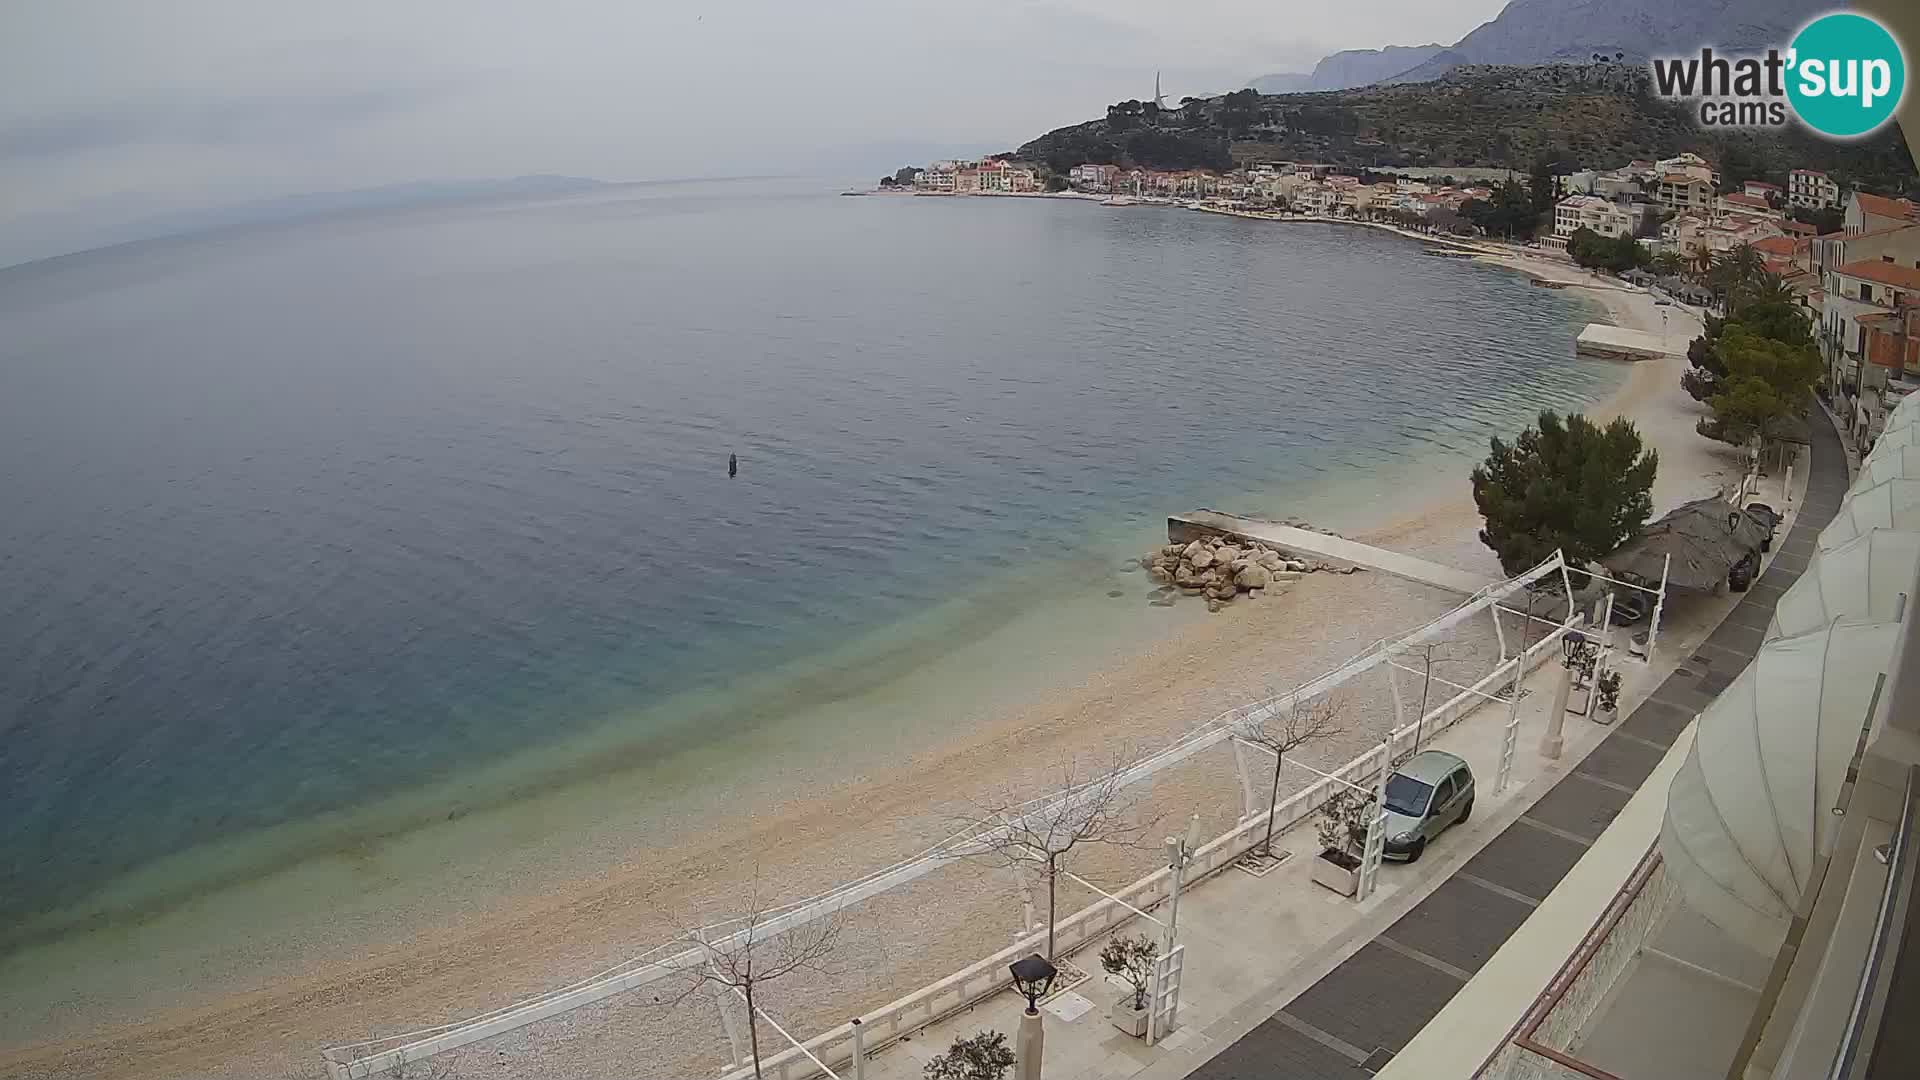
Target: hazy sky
[(167, 103)]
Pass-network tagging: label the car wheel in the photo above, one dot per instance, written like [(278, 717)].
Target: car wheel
[(1414, 852), (1465, 812)]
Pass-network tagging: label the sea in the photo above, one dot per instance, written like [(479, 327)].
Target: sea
[(314, 533)]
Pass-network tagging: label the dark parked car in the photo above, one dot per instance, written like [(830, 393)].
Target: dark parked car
[(1767, 516), (1741, 575), (1629, 607)]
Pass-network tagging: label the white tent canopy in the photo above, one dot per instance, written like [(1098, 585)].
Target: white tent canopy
[(1905, 413), (1890, 504), (1893, 438), (1898, 463), (1861, 578), (1750, 811)]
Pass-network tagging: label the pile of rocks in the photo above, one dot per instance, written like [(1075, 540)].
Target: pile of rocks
[(1221, 569)]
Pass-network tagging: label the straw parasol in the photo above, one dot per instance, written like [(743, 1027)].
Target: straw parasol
[(1705, 538)]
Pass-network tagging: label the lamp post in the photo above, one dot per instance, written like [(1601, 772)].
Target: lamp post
[(1573, 646), (1179, 850), (1033, 977)]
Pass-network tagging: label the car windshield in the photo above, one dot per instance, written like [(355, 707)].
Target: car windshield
[(1408, 796)]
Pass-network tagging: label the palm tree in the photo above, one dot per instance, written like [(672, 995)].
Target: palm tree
[(1746, 263), (1703, 263)]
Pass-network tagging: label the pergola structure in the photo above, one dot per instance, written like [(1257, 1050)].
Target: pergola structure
[(373, 1057)]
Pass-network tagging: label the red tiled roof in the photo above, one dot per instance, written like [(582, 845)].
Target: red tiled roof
[(1777, 245), (1761, 184), (1886, 273), (1800, 227), (1881, 206), (1753, 201), (1808, 172)]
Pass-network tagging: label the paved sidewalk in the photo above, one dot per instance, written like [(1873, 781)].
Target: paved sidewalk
[(1351, 1022)]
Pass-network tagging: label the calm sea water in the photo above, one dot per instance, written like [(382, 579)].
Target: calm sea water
[(296, 518)]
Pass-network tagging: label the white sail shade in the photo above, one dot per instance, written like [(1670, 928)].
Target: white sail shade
[(1898, 463), (1890, 504), (1750, 811), (1894, 438), (1861, 578)]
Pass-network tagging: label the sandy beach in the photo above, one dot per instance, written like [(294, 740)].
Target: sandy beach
[(791, 835)]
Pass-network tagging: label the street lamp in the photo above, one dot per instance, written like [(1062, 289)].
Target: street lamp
[(1033, 977)]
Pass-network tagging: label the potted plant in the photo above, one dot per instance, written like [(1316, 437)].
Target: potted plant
[(1132, 959), (1607, 705), (1337, 867), (984, 1056)]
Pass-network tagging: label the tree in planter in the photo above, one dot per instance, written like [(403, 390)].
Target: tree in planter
[(1566, 485), (1607, 686), (984, 1056), (1283, 733), (1132, 959), (1045, 833), (1342, 815), (1767, 380)]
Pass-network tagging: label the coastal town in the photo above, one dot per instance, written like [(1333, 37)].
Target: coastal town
[(1849, 258)]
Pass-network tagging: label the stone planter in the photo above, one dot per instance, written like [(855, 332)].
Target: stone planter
[(1342, 879), (1127, 1018)]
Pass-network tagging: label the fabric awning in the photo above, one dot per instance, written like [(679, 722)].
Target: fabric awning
[(1890, 504), (1861, 578), (1750, 811), (1898, 463)]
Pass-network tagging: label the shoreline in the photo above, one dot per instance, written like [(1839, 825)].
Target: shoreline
[(577, 922)]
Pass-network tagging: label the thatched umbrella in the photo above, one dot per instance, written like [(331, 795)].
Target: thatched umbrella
[(1705, 538)]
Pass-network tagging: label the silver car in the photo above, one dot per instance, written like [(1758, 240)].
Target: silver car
[(1433, 790)]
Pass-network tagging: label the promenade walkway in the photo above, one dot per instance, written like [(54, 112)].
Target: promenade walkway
[(1350, 1023), (1321, 546)]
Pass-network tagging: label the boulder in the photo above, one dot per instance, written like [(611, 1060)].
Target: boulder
[(1215, 605), (1283, 575), (1159, 573), (1252, 577), (1297, 566), (1227, 553), (1173, 550), (1184, 576), (1200, 557), (1272, 560)]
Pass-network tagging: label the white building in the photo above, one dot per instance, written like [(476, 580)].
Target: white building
[(1811, 188), (1576, 212)]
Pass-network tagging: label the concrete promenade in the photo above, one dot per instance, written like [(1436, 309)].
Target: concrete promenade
[(1322, 546), (1287, 979)]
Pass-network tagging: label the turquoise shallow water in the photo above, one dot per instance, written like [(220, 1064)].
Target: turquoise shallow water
[(308, 526)]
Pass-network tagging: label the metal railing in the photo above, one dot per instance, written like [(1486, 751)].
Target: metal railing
[(1869, 996)]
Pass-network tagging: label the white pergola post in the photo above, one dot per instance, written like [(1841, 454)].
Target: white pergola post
[(1510, 738), (1376, 845), (1659, 605), (1023, 881), (1499, 633), (1248, 800), (720, 1002), (859, 1049), (1393, 684)]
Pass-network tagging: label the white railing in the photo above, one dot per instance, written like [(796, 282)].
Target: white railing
[(983, 979), (356, 1061)]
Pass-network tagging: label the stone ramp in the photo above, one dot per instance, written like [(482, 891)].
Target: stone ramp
[(1320, 546)]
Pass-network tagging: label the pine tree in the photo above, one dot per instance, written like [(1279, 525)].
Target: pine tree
[(1566, 485)]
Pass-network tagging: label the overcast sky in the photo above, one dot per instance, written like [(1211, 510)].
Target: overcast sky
[(158, 104)]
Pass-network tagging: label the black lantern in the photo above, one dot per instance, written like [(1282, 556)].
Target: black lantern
[(1033, 977), (1573, 645)]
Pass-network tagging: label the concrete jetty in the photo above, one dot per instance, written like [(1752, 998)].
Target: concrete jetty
[(1184, 528)]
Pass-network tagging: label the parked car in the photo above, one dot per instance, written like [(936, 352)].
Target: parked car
[(1432, 791), (1767, 516), (1629, 607), (1741, 575)]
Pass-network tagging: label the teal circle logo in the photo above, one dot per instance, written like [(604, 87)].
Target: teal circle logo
[(1846, 75)]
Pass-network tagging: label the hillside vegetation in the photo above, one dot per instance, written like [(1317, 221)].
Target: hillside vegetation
[(1596, 115)]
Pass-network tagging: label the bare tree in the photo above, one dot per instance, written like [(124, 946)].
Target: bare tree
[(747, 953), (1044, 833), (1281, 733)]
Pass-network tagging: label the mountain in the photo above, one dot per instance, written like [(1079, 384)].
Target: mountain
[(1550, 31), (1359, 67), (1478, 116), (1286, 82)]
